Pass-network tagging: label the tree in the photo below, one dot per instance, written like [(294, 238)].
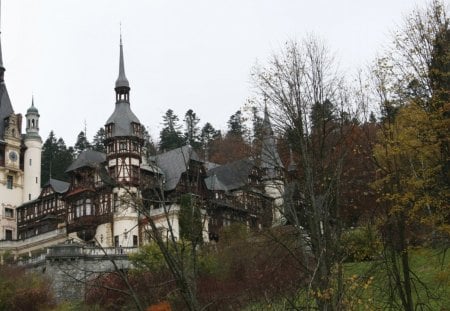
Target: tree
[(99, 140), (257, 124), (24, 290), (207, 136), (191, 133), (56, 158), (170, 136), (190, 220), (293, 83), (236, 126), (82, 143), (412, 86)]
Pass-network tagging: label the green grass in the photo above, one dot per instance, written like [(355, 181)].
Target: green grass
[(367, 288), (431, 280)]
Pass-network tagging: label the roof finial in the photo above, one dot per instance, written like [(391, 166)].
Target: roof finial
[(32, 97)]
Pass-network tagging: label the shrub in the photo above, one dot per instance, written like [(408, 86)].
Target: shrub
[(361, 244)]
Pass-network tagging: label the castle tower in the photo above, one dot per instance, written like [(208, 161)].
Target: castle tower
[(11, 174), (124, 142), (124, 134), (32, 156)]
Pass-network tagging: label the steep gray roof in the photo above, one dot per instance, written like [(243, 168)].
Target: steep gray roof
[(229, 176), (153, 168), (5, 103), (122, 118), (58, 185), (174, 163), (5, 108), (270, 159), (89, 158)]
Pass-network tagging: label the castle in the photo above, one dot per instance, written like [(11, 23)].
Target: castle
[(93, 208)]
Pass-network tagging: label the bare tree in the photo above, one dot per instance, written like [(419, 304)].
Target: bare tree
[(302, 78)]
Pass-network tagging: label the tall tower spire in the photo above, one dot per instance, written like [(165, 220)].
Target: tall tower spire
[(270, 159), (122, 85)]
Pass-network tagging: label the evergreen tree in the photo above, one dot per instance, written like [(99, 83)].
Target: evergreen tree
[(170, 136), (208, 134), (99, 140), (82, 143), (322, 114), (56, 158), (236, 126), (191, 133)]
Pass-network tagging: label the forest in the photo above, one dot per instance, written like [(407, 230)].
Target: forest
[(366, 193)]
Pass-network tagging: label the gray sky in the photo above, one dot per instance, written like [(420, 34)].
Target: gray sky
[(178, 54)]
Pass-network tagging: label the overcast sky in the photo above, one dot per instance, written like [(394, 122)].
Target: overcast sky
[(178, 54)]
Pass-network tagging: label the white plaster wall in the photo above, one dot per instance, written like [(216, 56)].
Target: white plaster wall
[(104, 235), (32, 172), (125, 229)]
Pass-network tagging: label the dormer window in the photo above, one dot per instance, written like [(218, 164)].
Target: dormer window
[(109, 130)]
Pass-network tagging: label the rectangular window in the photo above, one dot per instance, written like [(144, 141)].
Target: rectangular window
[(30, 162), (116, 241), (8, 235), (135, 240), (9, 212), (122, 146), (37, 180), (29, 196), (9, 182)]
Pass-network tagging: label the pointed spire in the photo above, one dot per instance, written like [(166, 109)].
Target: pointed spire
[(2, 68), (267, 126), (270, 159), (32, 109), (122, 81)]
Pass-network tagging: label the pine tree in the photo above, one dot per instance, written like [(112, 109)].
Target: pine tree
[(99, 140), (236, 126), (56, 158), (170, 136), (191, 133), (82, 143)]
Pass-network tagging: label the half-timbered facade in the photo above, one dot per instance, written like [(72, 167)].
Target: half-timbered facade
[(110, 194)]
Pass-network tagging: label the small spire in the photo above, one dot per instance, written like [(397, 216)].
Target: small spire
[(122, 80), (2, 68), (267, 126)]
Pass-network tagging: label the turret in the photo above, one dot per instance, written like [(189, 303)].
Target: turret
[(32, 156), (272, 169), (124, 134)]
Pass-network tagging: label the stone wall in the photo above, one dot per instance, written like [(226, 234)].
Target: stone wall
[(71, 266)]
